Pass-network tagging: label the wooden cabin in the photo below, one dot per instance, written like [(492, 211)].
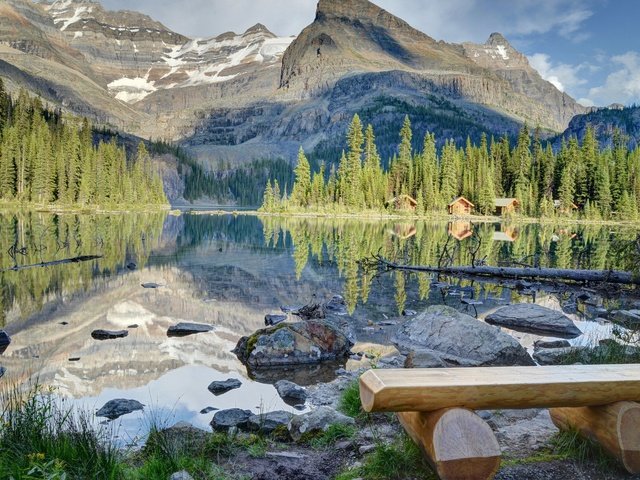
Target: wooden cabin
[(403, 202), (460, 206), (506, 206), (558, 206), (460, 229)]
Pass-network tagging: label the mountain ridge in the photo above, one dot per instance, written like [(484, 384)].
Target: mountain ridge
[(241, 96)]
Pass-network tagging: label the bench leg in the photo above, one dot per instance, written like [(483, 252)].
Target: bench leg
[(458, 444), (616, 427)]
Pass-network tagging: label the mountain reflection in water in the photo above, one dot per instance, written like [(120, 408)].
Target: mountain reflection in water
[(229, 271)]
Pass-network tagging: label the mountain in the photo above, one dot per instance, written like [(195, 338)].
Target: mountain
[(606, 122), (235, 97)]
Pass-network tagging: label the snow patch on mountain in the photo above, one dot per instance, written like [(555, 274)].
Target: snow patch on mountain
[(132, 90)]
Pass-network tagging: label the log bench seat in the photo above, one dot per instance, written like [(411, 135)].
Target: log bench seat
[(435, 407)]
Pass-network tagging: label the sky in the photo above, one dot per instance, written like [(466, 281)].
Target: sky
[(587, 48)]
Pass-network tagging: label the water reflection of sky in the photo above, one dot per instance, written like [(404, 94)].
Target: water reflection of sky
[(179, 395), (229, 272)]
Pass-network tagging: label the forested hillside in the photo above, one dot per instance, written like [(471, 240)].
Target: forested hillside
[(581, 178), (46, 159)]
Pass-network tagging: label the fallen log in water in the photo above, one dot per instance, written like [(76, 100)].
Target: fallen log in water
[(82, 258), (606, 276)]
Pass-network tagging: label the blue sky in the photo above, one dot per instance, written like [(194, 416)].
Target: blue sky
[(588, 48)]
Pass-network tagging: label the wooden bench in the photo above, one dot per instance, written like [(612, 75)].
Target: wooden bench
[(435, 406)]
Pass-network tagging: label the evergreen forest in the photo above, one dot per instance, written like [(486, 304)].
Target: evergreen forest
[(46, 159), (577, 179)]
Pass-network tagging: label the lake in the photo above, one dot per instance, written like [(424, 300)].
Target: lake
[(229, 271)]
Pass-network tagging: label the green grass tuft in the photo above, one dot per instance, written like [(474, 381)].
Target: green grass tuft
[(333, 434), (350, 401), (400, 460)]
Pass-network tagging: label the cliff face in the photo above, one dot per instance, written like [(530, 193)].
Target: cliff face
[(239, 96)]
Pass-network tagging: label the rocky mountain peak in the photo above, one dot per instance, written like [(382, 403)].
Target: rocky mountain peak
[(496, 39), (259, 28), (362, 11)]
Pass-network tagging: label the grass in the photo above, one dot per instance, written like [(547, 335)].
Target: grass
[(40, 439), (349, 403), (570, 444), (399, 460), (333, 434)]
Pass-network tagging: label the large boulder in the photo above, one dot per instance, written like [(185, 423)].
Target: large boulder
[(531, 318), (307, 342), (267, 423), (626, 318), (317, 421), (458, 340)]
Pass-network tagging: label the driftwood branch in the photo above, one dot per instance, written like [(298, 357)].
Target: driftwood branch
[(606, 276), (83, 258)]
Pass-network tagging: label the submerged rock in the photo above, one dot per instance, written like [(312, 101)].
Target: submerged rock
[(185, 328), (318, 420), (150, 285), (223, 420), (109, 334), (290, 391), (120, 406), (306, 342), (2, 371), (220, 387), (274, 319), (5, 340), (458, 340), (531, 318)]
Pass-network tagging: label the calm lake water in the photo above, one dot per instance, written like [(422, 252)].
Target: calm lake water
[(229, 272)]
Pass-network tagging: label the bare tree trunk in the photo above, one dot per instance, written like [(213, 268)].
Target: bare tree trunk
[(607, 276), (83, 258)]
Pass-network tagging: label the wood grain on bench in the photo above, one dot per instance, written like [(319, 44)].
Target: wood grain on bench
[(425, 390)]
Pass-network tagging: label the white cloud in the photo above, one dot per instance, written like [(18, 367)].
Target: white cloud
[(586, 102), (453, 20), (563, 76), (623, 84)]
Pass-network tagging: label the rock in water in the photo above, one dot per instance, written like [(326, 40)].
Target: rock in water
[(233, 417), (220, 387), (531, 318), (5, 340), (291, 391), (307, 342), (109, 334), (2, 371), (150, 285), (184, 328), (274, 319), (317, 421), (458, 340), (118, 407)]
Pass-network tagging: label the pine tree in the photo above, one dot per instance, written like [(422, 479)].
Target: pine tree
[(301, 192)]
